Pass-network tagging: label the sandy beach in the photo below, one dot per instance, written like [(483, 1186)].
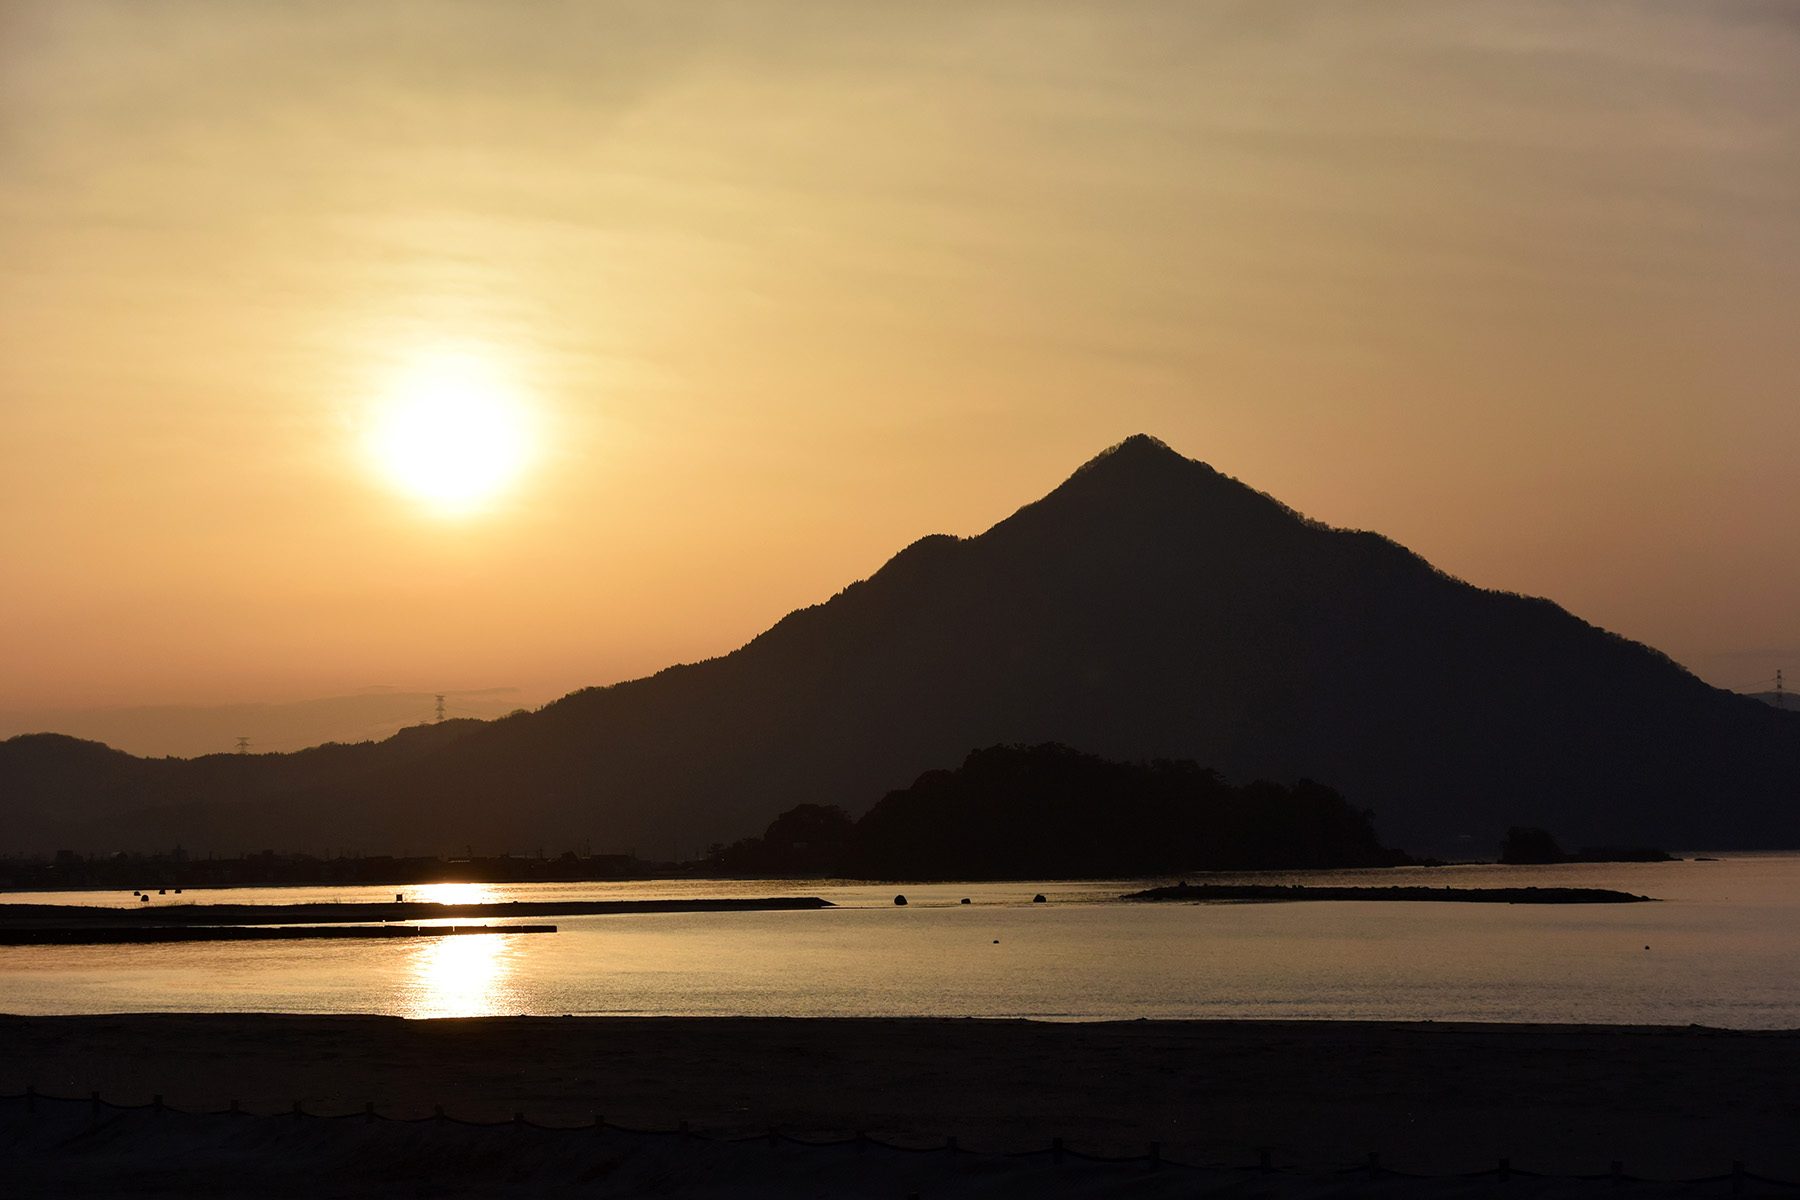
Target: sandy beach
[(1435, 1099)]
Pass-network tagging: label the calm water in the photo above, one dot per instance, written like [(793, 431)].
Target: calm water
[(1723, 949)]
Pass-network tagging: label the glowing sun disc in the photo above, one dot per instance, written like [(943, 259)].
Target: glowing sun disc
[(452, 433)]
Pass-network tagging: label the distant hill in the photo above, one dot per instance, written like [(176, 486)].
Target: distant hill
[(68, 793), (193, 730), (1150, 607)]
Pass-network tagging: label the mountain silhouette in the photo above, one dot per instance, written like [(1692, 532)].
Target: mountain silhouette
[(1150, 607)]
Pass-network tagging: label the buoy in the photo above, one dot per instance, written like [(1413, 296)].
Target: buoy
[(965, 899), (1038, 899), (901, 900)]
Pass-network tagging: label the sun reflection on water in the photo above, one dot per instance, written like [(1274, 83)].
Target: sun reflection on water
[(453, 893), (460, 975)]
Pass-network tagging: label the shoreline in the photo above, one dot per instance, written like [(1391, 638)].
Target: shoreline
[(1436, 1098)]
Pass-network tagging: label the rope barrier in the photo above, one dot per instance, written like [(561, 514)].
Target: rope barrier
[(1738, 1176)]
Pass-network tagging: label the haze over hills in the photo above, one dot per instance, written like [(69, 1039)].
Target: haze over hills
[(1149, 607), (192, 730)]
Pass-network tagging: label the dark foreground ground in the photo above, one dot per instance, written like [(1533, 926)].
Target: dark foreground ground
[(1438, 1100)]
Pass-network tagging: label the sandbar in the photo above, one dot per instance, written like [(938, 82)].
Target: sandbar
[(115, 935), (360, 912)]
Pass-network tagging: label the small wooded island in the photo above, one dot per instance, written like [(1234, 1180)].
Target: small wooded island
[(1052, 812)]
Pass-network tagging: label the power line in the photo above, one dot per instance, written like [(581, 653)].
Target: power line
[(1766, 685)]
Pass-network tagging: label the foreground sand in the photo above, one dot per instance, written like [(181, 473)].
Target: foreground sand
[(1435, 1099)]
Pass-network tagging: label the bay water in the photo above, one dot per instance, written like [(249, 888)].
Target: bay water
[(1720, 947)]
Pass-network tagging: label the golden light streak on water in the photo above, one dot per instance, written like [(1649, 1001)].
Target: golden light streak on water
[(459, 975), (453, 893)]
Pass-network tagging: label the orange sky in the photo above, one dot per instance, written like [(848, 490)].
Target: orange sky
[(772, 290)]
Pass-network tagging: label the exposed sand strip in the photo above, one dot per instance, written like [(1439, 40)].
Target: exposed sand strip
[(114, 935), (319, 914)]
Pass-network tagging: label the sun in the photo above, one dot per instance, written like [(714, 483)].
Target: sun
[(451, 431)]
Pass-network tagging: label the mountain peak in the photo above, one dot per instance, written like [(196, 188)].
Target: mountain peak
[(1141, 466), (1142, 483), (1139, 448)]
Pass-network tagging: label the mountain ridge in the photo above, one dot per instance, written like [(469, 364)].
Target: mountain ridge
[(1148, 607)]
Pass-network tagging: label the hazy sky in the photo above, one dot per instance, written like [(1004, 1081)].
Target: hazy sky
[(749, 296)]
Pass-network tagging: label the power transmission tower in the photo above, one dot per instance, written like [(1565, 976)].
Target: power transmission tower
[(243, 746), (440, 706), (1780, 696)]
